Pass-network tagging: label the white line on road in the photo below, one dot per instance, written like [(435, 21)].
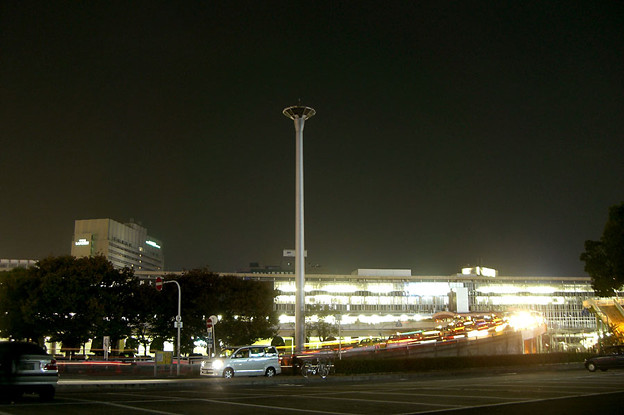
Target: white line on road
[(118, 405), (509, 403), (281, 408), (440, 395)]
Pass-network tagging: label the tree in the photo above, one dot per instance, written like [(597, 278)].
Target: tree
[(69, 299), (604, 259), (18, 306), (73, 300), (144, 314), (324, 330), (245, 309)]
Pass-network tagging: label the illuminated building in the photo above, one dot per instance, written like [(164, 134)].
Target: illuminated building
[(382, 302), (123, 244), (387, 301)]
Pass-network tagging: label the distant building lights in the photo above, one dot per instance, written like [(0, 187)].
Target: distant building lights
[(383, 288), (482, 271), (152, 243)]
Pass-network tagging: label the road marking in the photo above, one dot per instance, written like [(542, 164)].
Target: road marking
[(382, 401), (491, 405), (118, 405), (282, 408), (440, 395)]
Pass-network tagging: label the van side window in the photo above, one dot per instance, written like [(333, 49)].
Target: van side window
[(270, 351), (257, 351), (243, 353)]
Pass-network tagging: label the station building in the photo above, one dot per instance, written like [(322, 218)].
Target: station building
[(377, 302)]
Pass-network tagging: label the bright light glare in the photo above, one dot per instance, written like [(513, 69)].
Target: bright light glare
[(520, 300), (341, 288), (525, 320), (428, 288), (383, 288), (286, 287), (478, 333), (590, 341), (511, 289)]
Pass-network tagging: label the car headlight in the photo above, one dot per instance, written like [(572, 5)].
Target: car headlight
[(217, 364)]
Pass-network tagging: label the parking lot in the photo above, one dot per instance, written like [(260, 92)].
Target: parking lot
[(552, 391)]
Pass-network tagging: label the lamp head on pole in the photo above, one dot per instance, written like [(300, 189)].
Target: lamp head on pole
[(299, 111)]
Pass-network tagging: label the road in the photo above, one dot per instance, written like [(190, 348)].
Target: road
[(552, 391)]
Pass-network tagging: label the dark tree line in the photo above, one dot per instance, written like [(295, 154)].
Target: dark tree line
[(74, 300), (604, 259)]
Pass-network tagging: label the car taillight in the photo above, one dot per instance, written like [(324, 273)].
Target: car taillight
[(51, 365)]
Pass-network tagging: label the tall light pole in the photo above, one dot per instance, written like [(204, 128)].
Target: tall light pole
[(299, 114)]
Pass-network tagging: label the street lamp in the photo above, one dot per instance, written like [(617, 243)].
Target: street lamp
[(299, 114)]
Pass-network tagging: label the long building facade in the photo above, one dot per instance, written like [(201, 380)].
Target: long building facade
[(392, 302), (123, 244), (384, 302)]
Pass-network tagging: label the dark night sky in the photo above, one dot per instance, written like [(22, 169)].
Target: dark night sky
[(447, 133)]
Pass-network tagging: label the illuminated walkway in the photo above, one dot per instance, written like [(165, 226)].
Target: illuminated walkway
[(610, 312)]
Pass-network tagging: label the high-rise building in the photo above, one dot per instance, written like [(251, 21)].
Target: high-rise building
[(123, 244)]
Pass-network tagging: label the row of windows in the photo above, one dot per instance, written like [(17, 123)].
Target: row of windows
[(373, 308)]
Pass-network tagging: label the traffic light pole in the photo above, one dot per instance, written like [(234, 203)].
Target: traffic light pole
[(178, 322)]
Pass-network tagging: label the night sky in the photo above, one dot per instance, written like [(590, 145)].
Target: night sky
[(446, 133)]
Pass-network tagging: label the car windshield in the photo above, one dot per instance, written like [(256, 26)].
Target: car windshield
[(227, 352)]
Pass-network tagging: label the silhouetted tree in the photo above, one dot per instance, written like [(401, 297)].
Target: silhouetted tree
[(604, 259)]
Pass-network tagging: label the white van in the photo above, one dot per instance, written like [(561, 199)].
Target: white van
[(243, 361)]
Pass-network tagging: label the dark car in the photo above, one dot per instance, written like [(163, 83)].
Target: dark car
[(26, 368), (612, 357)]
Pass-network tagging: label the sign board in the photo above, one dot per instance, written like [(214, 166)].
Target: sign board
[(164, 358), (291, 253), (106, 346), (159, 283)]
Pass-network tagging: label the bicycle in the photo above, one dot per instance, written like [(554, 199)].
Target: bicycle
[(321, 368)]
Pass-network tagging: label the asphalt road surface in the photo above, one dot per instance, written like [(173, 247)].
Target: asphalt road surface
[(556, 391)]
